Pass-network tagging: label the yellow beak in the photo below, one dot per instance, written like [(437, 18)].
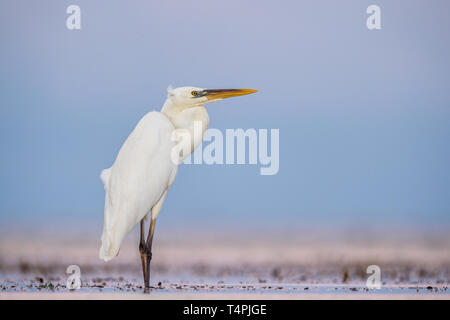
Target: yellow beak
[(214, 94)]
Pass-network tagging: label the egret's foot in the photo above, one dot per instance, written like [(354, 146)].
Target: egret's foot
[(146, 257)]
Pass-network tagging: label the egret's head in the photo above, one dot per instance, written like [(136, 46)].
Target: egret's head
[(193, 96)]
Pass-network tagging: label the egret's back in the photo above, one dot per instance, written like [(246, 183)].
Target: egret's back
[(141, 173)]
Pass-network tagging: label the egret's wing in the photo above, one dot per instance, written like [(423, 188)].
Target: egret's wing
[(142, 171)]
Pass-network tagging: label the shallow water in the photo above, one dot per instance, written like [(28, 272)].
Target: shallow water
[(240, 270), (203, 288)]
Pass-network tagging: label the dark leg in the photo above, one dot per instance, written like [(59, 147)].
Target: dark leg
[(142, 250), (148, 247), (145, 248)]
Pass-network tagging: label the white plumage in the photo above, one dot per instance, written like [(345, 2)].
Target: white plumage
[(136, 181)]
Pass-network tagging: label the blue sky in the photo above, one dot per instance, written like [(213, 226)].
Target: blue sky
[(364, 116)]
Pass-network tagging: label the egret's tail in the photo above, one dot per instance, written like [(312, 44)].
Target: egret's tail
[(109, 248), (110, 243)]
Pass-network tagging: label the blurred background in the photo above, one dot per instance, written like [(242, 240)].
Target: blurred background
[(364, 116)]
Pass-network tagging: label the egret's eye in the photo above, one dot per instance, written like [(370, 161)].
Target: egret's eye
[(194, 93)]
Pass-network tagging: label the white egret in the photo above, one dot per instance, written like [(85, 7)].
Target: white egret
[(137, 183)]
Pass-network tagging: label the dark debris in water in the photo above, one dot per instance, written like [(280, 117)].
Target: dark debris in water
[(119, 285)]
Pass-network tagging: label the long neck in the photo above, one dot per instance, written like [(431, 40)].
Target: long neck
[(193, 119)]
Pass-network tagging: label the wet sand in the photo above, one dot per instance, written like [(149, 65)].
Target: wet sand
[(245, 267)]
